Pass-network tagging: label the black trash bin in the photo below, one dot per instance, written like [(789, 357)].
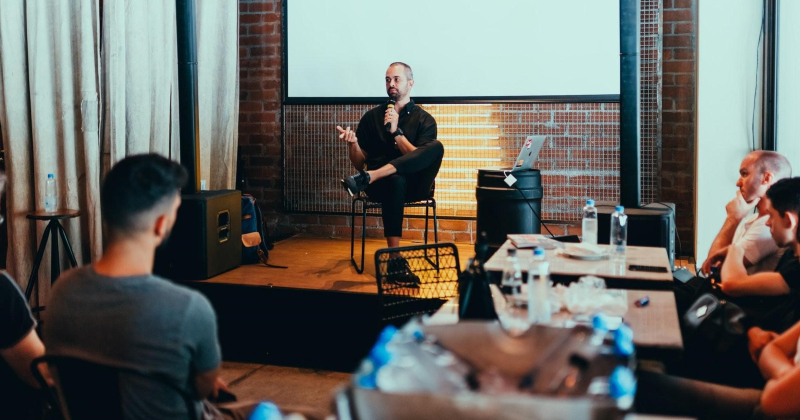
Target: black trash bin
[(503, 209)]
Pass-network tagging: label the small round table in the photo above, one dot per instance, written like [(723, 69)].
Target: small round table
[(55, 229)]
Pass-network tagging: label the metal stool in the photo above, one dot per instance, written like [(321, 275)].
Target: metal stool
[(55, 229)]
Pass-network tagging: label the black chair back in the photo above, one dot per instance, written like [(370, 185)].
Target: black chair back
[(435, 265), (84, 390)]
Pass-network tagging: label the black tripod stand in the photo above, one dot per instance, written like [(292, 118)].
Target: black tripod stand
[(54, 229)]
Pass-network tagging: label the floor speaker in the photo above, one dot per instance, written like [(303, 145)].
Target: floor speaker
[(651, 225), (206, 239)]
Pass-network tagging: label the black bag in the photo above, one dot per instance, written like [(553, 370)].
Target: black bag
[(714, 324), (255, 241)]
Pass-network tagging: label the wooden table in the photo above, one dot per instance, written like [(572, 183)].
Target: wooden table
[(564, 269), (656, 331)]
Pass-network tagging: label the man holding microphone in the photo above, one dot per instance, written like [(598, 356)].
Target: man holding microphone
[(395, 150)]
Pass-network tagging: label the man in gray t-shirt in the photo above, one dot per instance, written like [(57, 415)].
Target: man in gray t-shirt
[(141, 322), (116, 312)]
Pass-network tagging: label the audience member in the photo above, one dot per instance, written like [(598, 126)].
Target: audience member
[(757, 172), (19, 345), (116, 312)]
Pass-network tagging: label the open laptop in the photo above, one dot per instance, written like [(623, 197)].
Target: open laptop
[(529, 153)]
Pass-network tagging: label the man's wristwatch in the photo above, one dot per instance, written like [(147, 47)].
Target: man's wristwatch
[(397, 132)]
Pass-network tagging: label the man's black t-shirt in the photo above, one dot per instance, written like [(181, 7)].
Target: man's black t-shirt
[(776, 313), (418, 127), (16, 398)]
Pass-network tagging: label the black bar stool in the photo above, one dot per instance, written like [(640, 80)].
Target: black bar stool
[(54, 229)]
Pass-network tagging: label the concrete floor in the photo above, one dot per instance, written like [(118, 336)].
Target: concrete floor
[(285, 386)]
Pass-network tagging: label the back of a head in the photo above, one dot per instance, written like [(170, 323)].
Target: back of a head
[(136, 187), (774, 163), (784, 195)]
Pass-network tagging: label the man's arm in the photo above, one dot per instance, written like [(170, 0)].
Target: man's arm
[(736, 210), (357, 156), (208, 384), (779, 397), (736, 281), (20, 356)]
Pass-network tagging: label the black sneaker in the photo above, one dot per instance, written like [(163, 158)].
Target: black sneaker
[(354, 184), (399, 272)]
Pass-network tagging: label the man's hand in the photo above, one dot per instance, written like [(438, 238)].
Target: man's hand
[(737, 209), (347, 135), (391, 117), (757, 339), (714, 260), (219, 384)]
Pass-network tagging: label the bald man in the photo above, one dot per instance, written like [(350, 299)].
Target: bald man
[(747, 229)]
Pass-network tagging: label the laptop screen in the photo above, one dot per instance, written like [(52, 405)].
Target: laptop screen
[(528, 153)]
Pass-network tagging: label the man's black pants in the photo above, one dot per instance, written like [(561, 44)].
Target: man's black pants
[(413, 181)]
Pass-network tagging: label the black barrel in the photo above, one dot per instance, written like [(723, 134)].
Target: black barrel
[(503, 209)]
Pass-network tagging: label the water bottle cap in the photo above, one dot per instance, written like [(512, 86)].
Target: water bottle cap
[(265, 410), (538, 251), (49, 176), (619, 209), (512, 252), (590, 202), (622, 383), (387, 334), (623, 341)]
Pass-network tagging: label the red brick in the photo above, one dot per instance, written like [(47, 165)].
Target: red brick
[(453, 225), (671, 41), (463, 237), (244, 19), (680, 15), (683, 28), (333, 220), (683, 4), (261, 7), (684, 66)]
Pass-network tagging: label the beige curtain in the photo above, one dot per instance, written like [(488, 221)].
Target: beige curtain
[(49, 114), (59, 89)]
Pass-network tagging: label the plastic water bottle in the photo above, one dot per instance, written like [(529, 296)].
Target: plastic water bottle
[(619, 235), (50, 197), (515, 316), (589, 225), (511, 283), (539, 289), (266, 410)]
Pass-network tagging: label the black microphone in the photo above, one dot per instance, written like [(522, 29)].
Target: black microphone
[(389, 105)]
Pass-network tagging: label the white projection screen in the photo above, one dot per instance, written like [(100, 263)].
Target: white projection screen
[(338, 51)]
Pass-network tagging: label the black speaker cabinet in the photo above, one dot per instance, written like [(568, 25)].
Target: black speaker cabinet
[(206, 239), (651, 225)]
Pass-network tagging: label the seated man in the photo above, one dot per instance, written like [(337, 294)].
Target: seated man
[(758, 171), (783, 207), (116, 312), (19, 345), (770, 299), (778, 359), (398, 146)]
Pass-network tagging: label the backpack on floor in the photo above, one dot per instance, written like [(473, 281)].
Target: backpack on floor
[(255, 241)]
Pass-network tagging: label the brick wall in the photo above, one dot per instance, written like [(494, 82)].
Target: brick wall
[(678, 114)]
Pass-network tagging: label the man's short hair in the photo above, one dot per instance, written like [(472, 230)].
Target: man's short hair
[(774, 163), (137, 185), (784, 195), (409, 72)]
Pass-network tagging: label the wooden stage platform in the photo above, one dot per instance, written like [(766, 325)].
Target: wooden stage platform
[(317, 264), (317, 313)]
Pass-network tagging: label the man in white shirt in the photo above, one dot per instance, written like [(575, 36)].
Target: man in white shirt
[(749, 231)]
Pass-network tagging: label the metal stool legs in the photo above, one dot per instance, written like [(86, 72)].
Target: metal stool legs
[(54, 229)]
